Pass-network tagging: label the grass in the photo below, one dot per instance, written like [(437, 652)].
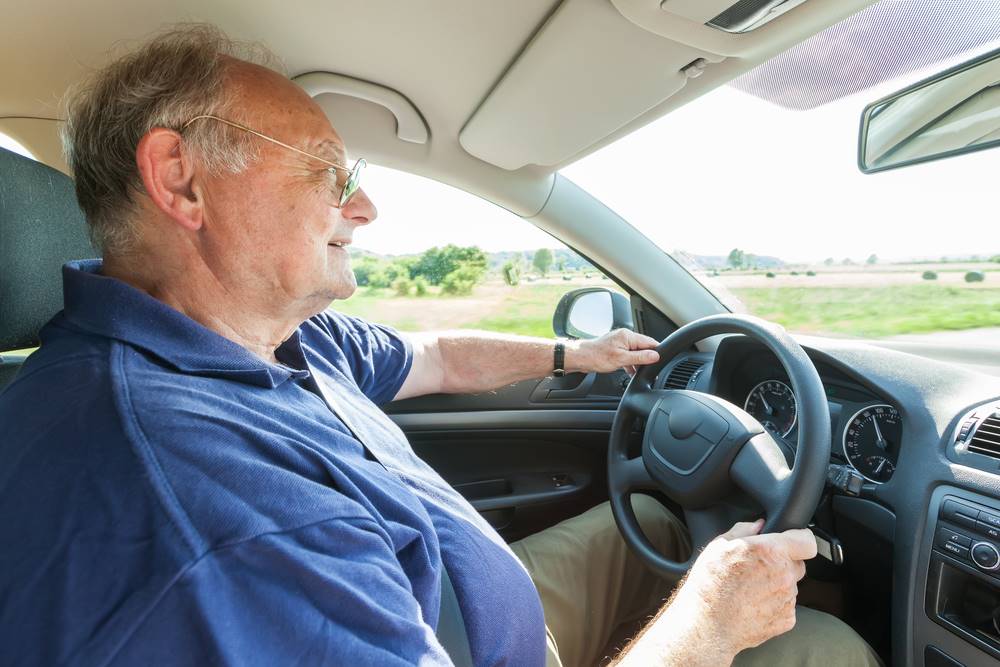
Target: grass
[(526, 309), (874, 311), (868, 312)]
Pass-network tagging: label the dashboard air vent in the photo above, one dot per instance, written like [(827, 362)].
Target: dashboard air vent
[(986, 438), (680, 375)]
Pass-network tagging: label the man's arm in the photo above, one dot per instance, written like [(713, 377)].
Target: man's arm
[(456, 362), (739, 593)]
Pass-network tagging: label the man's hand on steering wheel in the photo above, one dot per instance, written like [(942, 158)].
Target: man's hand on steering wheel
[(744, 585), (620, 348), (740, 592)]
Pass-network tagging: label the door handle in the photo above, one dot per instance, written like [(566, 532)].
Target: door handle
[(564, 387)]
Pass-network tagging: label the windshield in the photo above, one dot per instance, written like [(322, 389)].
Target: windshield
[(755, 187)]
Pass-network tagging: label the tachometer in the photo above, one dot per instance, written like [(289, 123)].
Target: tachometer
[(772, 403), (871, 441)]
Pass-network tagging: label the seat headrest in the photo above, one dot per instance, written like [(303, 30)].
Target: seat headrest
[(41, 228)]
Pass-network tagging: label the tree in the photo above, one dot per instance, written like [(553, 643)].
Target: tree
[(461, 281), (872, 259), (436, 263), (828, 261), (542, 260), (736, 258)]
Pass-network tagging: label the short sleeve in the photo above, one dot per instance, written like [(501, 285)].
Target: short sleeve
[(327, 594), (377, 356)]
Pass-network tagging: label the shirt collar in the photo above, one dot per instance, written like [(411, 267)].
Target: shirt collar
[(108, 307)]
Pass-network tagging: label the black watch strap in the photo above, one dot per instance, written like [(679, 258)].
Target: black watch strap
[(559, 360)]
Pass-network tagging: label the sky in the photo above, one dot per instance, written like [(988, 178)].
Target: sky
[(732, 171), (728, 171)]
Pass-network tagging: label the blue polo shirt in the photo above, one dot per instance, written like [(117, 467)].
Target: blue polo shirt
[(167, 497)]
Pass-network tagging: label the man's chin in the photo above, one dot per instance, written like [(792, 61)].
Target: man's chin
[(344, 289)]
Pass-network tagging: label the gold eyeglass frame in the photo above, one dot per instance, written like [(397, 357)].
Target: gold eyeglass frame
[(353, 174)]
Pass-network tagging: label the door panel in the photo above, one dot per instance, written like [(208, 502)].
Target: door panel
[(528, 455), (520, 480)]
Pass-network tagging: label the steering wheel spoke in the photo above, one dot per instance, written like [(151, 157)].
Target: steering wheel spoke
[(642, 401), (761, 471), (635, 477)]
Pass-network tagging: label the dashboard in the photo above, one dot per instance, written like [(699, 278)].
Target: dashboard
[(866, 427), (921, 433)]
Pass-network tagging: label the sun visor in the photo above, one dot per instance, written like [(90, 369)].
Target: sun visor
[(587, 72)]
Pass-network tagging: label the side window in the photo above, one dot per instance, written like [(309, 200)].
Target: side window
[(439, 258)]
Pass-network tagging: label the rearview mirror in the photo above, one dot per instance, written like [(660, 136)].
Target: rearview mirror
[(591, 312), (954, 112)]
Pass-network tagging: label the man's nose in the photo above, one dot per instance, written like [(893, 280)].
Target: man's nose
[(360, 210)]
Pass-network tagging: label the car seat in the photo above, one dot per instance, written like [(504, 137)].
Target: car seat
[(41, 228)]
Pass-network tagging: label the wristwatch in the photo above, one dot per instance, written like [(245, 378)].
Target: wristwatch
[(559, 360)]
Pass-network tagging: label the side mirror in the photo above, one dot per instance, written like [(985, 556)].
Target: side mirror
[(953, 112), (591, 312)]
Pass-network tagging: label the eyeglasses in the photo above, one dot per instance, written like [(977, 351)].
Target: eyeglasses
[(350, 186)]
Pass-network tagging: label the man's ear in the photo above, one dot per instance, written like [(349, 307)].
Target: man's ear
[(168, 175)]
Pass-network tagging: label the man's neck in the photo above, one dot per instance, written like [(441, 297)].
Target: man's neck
[(196, 293)]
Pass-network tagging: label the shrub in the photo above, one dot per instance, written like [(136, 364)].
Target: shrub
[(364, 267), (810, 273), (511, 273), (378, 278), (929, 275), (795, 273), (420, 285), (769, 274), (402, 286), (975, 277), (461, 281)]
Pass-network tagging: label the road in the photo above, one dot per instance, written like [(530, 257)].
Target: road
[(975, 349)]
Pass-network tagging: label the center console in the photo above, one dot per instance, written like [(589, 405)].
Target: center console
[(962, 593)]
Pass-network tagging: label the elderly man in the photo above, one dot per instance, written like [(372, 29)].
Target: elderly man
[(195, 469)]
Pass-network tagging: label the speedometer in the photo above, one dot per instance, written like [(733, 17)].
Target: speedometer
[(772, 403), (871, 441)]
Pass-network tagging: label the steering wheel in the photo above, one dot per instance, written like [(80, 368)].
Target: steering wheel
[(709, 455)]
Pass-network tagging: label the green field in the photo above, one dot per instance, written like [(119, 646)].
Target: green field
[(868, 312), (526, 309), (873, 312)]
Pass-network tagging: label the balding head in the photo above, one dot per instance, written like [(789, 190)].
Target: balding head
[(175, 76), (207, 182)]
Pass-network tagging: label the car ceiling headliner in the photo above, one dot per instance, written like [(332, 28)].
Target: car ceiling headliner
[(451, 58)]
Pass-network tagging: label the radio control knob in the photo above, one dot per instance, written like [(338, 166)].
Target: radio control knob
[(985, 555)]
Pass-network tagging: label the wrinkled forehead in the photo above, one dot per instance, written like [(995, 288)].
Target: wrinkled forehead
[(271, 103)]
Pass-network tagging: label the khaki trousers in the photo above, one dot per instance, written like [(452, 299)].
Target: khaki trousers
[(594, 590)]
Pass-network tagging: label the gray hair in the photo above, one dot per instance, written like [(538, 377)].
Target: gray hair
[(176, 76)]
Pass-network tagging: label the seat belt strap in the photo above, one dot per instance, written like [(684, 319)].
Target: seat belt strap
[(451, 632), (451, 627)]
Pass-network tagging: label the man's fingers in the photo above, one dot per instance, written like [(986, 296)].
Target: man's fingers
[(638, 341), (744, 529), (799, 544), (642, 357)]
